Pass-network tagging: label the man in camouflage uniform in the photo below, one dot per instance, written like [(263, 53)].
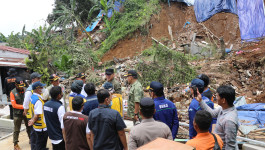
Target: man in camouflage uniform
[(111, 78), (135, 95)]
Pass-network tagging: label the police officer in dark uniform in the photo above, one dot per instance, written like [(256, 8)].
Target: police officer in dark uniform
[(9, 84)]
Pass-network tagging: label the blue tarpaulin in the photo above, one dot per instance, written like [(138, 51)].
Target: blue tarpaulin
[(188, 2), (117, 7), (252, 114), (251, 19), (254, 106), (205, 9)]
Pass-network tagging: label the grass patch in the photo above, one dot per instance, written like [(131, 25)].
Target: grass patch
[(136, 14)]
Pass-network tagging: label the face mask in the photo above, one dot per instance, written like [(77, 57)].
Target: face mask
[(42, 90), (110, 104)]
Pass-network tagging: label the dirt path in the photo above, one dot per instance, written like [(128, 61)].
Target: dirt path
[(7, 144)]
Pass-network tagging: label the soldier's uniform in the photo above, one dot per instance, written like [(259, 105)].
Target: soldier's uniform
[(116, 86), (135, 95)]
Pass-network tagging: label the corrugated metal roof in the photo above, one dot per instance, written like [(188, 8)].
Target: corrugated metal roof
[(12, 62), (15, 50)]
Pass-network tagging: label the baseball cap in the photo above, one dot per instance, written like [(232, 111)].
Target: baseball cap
[(35, 75), (155, 86), (109, 71), (12, 71), (54, 77), (81, 75), (147, 102), (198, 83), (131, 73), (37, 85), (77, 84), (108, 86), (20, 82)]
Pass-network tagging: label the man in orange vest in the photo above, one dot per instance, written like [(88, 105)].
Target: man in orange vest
[(17, 98)]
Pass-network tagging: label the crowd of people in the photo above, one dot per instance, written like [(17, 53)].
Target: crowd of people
[(95, 118)]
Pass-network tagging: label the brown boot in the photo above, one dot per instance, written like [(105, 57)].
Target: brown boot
[(16, 147)]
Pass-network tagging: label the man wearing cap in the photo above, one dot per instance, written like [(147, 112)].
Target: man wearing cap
[(82, 77), (17, 98), (149, 129), (165, 110), (135, 95), (116, 98), (76, 88), (9, 84), (53, 113), (54, 79), (195, 106), (111, 78), (34, 78), (37, 121), (106, 125)]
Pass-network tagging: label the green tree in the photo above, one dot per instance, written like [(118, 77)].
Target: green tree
[(38, 62), (82, 9), (68, 18), (2, 37)]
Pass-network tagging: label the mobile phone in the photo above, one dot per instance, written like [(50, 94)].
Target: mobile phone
[(194, 88)]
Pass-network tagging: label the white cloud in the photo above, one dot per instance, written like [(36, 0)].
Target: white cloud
[(14, 14)]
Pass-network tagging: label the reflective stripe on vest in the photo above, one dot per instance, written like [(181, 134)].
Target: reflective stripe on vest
[(39, 124), (29, 113)]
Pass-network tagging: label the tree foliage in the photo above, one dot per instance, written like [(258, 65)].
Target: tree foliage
[(81, 10)]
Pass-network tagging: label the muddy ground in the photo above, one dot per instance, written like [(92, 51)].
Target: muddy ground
[(220, 25)]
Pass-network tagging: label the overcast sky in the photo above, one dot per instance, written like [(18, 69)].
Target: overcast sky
[(14, 14)]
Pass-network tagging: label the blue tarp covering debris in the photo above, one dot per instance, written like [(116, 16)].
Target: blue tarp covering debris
[(188, 2), (252, 107), (205, 9), (117, 7), (252, 114), (251, 19)]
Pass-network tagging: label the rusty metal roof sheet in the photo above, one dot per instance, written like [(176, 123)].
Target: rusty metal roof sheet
[(12, 62), (15, 50)]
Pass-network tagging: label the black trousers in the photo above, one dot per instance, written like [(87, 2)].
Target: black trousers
[(60, 146), (40, 140)]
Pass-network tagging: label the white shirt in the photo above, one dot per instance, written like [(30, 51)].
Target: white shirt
[(28, 95), (38, 109), (83, 92), (87, 129)]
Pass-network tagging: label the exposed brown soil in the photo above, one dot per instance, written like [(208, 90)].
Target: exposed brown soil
[(220, 25)]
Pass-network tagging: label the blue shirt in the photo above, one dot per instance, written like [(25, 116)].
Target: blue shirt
[(91, 103), (194, 107), (166, 112)]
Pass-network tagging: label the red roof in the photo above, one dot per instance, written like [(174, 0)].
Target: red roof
[(15, 50)]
